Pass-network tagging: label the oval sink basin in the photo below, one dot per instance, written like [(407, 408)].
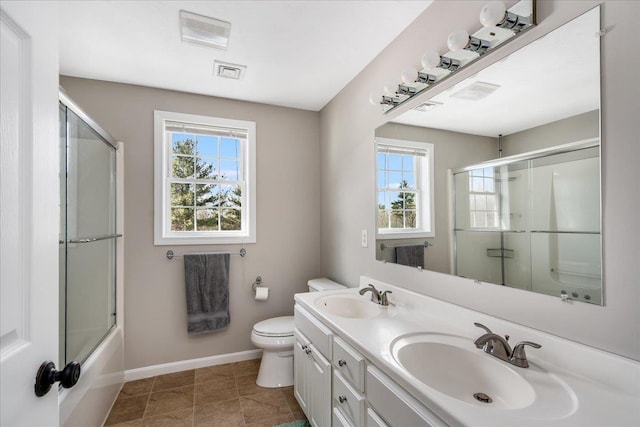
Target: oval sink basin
[(453, 366), (350, 306)]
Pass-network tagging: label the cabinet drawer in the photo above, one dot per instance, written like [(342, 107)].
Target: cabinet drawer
[(339, 420), (350, 402), (374, 420), (396, 405), (349, 362), (314, 330)]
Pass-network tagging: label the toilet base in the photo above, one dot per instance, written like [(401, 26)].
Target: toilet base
[(276, 369)]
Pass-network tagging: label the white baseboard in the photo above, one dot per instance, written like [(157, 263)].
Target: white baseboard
[(183, 365)]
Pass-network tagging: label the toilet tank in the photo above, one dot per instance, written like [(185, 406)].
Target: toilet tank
[(323, 284)]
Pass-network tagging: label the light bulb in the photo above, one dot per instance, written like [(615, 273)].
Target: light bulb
[(375, 98), (458, 40), (409, 75), (492, 13), (389, 88), (430, 60)]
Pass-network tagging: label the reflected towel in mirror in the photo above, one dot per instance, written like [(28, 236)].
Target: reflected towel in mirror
[(411, 255)]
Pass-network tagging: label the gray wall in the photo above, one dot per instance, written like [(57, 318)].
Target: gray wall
[(452, 150), (572, 129), (347, 162), (287, 251)]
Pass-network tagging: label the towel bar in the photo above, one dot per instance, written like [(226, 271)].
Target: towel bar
[(383, 246), (171, 255)]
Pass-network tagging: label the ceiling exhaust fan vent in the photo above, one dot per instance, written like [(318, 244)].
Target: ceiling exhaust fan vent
[(204, 31), (228, 70)]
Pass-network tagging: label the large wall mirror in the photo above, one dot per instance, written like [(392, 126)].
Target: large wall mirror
[(497, 178)]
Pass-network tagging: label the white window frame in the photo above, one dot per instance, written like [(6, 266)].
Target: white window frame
[(425, 195), (162, 156)]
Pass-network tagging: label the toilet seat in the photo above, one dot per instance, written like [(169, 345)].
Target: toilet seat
[(276, 327)]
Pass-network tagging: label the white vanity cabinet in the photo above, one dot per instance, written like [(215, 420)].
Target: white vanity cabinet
[(336, 386), (312, 369)]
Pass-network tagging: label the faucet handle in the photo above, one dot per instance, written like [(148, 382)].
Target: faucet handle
[(519, 357), (384, 300)]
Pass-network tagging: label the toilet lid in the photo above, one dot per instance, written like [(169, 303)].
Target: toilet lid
[(276, 327)]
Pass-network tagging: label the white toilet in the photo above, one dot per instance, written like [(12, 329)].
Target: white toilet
[(275, 338)]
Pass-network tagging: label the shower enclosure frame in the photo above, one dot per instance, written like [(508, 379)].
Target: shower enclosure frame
[(504, 161), (89, 402)]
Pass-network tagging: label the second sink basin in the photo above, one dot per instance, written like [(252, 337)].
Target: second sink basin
[(453, 366), (350, 306)]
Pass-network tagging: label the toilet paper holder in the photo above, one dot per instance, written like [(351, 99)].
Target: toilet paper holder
[(256, 283)]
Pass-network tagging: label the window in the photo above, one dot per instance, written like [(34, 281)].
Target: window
[(483, 199), (405, 188), (204, 179)]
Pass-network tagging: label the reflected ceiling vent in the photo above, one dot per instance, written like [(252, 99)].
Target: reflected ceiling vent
[(228, 70), (426, 106), (476, 91), (204, 31)]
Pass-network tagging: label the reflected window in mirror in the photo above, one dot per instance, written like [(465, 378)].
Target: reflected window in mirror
[(404, 188), (483, 199)]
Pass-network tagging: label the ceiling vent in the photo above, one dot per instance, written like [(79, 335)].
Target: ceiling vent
[(228, 70), (426, 106), (476, 91), (204, 31)]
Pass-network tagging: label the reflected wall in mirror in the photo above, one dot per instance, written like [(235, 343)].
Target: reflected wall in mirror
[(515, 190)]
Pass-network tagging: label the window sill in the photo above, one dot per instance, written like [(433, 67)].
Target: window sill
[(203, 240), (404, 235)]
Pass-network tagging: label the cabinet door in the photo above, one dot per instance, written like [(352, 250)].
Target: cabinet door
[(320, 389), (301, 364)]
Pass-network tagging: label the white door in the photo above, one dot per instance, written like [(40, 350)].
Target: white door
[(28, 209)]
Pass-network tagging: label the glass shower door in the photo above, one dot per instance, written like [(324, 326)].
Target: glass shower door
[(88, 231)]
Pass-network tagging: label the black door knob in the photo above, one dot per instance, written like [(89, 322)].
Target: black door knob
[(48, 375)]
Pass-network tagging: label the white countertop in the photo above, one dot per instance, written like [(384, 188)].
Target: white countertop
[(601, 389)]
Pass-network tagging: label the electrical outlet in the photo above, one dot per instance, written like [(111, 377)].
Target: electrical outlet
[(365, 239)]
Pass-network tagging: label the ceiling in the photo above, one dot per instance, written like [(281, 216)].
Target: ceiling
[(298, 54), (554, 77)]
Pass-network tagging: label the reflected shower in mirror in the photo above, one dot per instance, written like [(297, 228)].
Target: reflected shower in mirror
[(512, 194)]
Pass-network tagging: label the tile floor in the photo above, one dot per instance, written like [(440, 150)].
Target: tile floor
[(223, 395)]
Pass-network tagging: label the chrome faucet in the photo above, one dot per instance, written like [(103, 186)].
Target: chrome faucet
[(499, 347), (376, 296)]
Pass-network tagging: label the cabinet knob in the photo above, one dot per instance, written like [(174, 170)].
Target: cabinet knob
[(342, 398), (342, 362)]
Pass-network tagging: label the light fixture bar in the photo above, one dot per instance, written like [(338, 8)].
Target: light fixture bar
[(499, 26)]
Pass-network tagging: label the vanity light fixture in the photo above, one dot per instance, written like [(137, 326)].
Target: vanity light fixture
[(499, 25), (432, 60), (425, 78), (204, 31), (460, 39), (495, 14)]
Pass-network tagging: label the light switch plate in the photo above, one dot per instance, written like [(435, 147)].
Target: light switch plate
[(365, 239)]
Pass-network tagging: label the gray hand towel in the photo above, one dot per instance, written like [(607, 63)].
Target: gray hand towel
[(411, 255), (206, 277)]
